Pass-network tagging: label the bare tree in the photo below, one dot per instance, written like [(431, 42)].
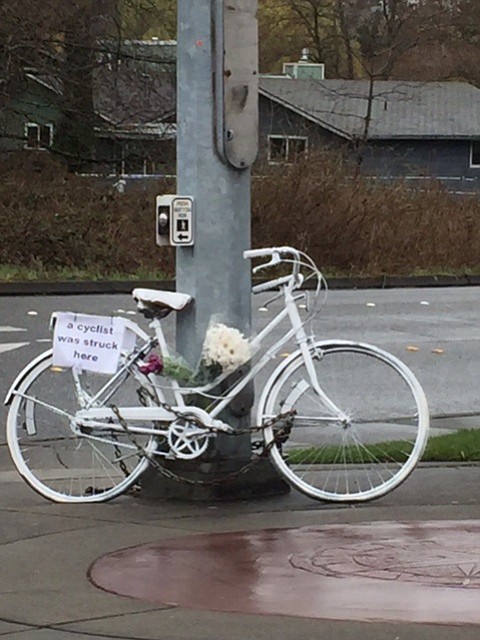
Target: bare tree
[(364, 38), (75, 52), (384, 32)]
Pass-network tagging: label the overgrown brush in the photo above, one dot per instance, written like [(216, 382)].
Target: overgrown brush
[(50, 219), (354, 225)]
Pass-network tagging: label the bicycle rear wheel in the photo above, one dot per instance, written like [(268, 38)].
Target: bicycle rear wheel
[(60, 464), (363, 439)]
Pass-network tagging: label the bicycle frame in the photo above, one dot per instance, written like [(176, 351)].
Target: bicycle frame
[(92, 415), (297, 330)]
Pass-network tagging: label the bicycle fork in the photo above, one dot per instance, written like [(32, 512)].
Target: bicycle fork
[(306, 347)]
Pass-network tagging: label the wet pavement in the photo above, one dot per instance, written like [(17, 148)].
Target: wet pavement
[(425, 572)]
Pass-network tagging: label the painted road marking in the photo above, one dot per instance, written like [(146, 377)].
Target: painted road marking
[(10, 346)]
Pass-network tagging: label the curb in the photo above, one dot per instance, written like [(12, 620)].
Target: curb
[(402, 282), (126, 287), (80, 288)]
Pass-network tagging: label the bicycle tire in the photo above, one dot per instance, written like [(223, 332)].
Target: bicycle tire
[(55, 462), (368, 452)]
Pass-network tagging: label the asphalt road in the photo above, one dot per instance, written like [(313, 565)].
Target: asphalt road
[(435, 331)]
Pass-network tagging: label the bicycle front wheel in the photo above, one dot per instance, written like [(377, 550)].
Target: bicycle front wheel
[(56, 460), (355, 435)]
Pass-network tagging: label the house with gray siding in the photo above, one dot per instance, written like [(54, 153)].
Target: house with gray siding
[(395, 129)]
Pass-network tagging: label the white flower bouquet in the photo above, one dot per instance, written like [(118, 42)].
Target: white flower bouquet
[(225, 348)]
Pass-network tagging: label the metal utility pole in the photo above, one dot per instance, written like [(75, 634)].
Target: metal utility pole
[(217, 142), (213, 161)]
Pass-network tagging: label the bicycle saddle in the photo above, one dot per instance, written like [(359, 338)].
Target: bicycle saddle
[(153, 300)]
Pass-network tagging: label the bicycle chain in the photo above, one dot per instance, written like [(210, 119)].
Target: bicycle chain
[(281, 433), (118, 456)]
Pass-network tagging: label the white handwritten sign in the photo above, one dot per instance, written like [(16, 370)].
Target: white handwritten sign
[(93, 343)]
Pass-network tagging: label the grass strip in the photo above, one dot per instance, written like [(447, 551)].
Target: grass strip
[(460, 446), (11, 273)]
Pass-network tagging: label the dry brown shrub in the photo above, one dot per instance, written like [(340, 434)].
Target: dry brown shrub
[(52, 219), (355, 225)]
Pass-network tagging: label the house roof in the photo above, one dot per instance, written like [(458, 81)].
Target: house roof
[(133, 84), (127, 97), (449, 110)]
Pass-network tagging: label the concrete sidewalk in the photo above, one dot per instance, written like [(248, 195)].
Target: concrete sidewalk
[(46, 551)]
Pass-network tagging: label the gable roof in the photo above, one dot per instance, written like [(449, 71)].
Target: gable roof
[(133, 84), (449, 110), (126, 97)]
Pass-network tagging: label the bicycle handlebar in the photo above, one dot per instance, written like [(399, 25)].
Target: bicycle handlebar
[(275, 254), (271, 284), (264, 253), (257, 253)]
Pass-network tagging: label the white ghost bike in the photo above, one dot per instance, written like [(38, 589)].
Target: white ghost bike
[(342, 421)]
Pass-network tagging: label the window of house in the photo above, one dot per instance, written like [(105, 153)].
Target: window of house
[(475, 154), (297, 147), (286, 148), (277, 149), (38, 136)]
